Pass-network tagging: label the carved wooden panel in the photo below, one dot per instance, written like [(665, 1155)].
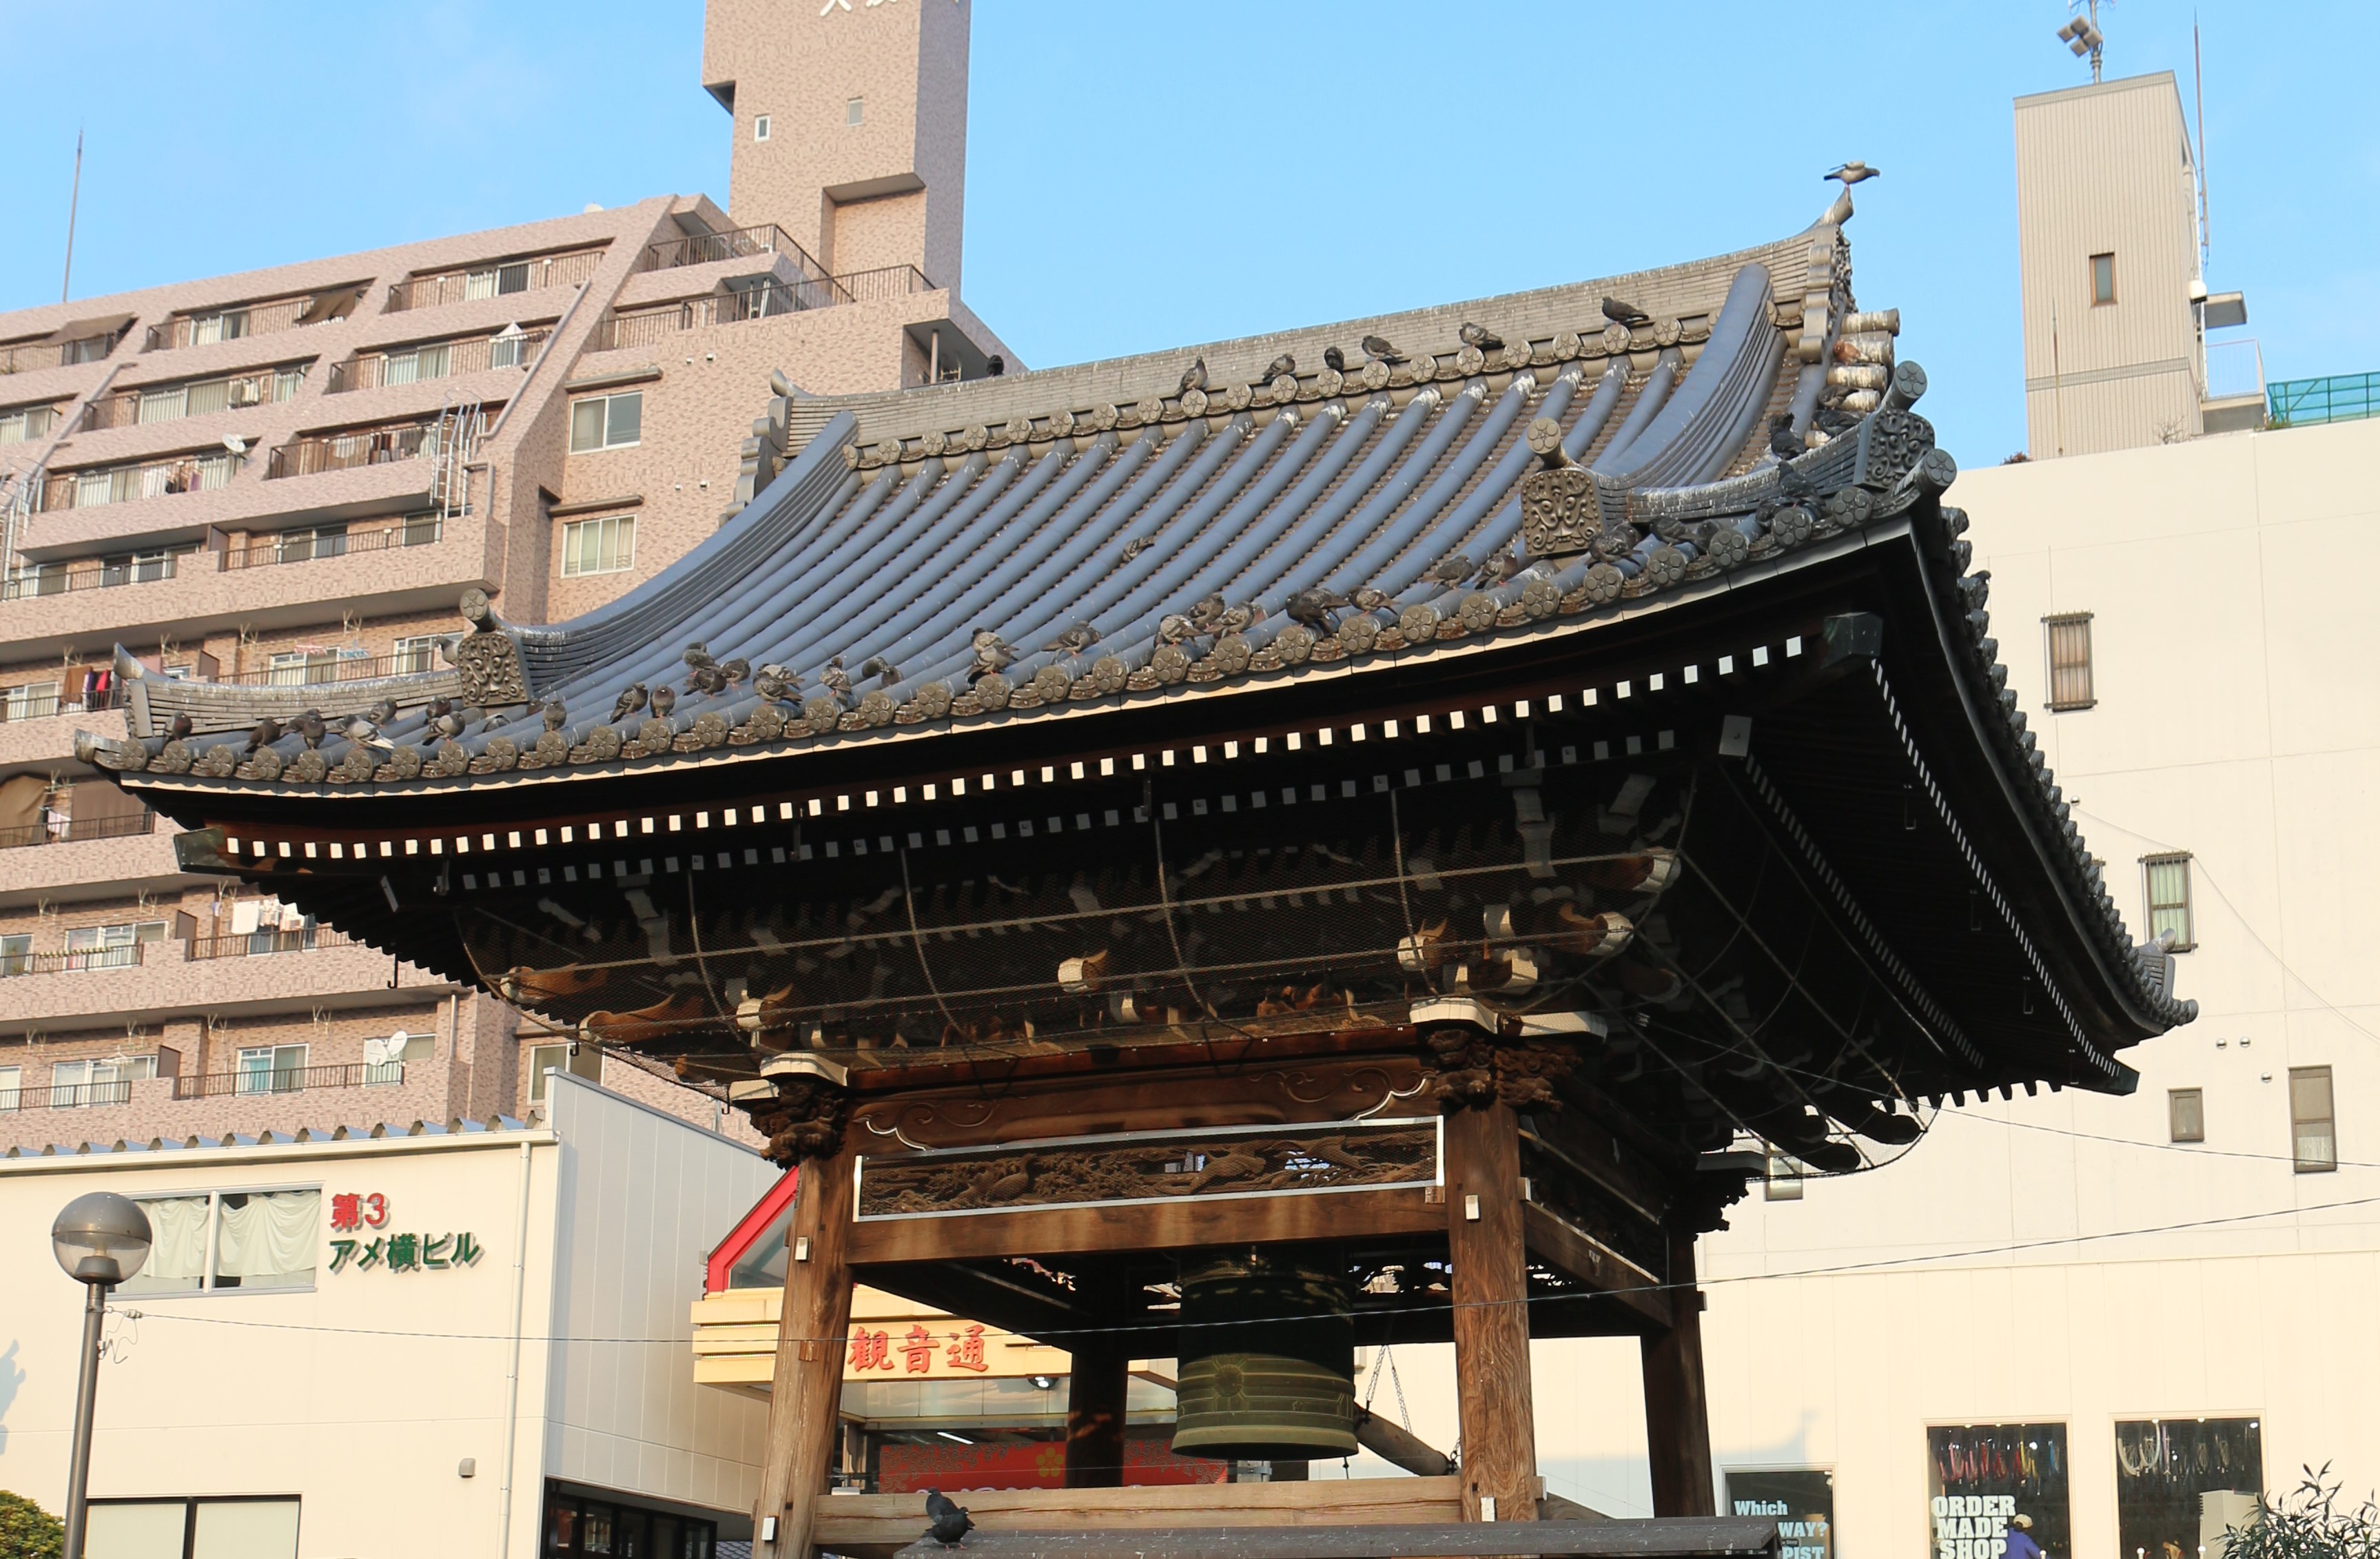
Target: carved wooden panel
[(1143, 1167)]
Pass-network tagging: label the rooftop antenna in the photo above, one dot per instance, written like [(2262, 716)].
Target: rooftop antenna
[(74, 203), (2082, 33), (2198, 86)]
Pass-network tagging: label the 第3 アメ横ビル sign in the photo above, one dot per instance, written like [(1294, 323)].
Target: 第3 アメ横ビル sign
[(1971, 1525), (364, 1213)]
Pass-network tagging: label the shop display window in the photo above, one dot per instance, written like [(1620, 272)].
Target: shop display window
[(2172, 1477), (1983, 1478), (1800, 1500), (579, 1525)]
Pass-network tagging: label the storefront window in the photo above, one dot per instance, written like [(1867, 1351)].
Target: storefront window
[(579, 1525), (2172, 1480), (1801, 1500), (1990, 1483)]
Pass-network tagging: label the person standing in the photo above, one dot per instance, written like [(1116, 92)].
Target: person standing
[(2020, 1539)]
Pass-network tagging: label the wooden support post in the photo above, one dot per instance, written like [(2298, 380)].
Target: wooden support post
[(1677, 1416), (804, 1435), (1096, 1384), (1491, 1315)]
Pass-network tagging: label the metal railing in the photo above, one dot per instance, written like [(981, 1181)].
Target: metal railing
[(268, 318), (73, 830), (66, 1096), (645, 327), (2232, 369), (2302, 403), (92, 573), (494, 281), (126, 484), (307, 546), (289, 1079), (129, 956), (33, 706), (438, 359), (263, 944), (355, 668), (738, 243), (28, 357), (171, 403), (317, 453)]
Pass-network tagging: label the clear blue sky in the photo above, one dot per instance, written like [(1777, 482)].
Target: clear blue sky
[(1143, 175)]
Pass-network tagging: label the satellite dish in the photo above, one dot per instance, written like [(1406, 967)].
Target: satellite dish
[(236, 444)]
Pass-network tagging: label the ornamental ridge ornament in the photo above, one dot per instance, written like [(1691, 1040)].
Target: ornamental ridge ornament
[(1559, 517), (488, 658)]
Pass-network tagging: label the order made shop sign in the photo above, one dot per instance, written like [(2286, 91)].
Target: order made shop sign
[(363, 1215), (1971, 1525)]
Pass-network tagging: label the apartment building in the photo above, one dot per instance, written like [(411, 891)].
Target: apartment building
[(289, 479)]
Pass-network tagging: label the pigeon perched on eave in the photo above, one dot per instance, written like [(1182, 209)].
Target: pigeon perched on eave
[(1852, 172), (1480, 336), (951, 1523), (1134, 547), (362, 731), (1783, 442), (1334, 360), (1194, 377), (665, 698), (734, 671), (884, 671), (784, 674), (1207, 611), (1280, 366), (1499, 568), (631, 699), (1074, 641), (697, 655), (179, 727), (382, 712), (992, 653), (1369, 600), (1628, 314), (1316, 609), (446, 725), (310, 728), (1175, 628), (1452, 569), (267, 732), (1380, 348), (556, 712)]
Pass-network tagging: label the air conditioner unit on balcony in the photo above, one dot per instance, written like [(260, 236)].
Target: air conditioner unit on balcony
[(247, 391)]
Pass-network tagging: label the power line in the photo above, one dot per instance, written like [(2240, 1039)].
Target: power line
[(1838, 1269)]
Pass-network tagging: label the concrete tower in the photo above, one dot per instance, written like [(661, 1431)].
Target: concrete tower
[(850, 125)]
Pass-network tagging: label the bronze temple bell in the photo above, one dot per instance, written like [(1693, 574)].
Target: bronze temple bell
[(1268, 1362)]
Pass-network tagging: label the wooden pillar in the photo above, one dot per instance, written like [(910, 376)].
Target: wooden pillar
[(804, 1436), (1095, 1382), (1491, 1315), (1677, 1416)]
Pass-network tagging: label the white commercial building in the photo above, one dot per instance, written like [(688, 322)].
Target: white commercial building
[(471, 1341)]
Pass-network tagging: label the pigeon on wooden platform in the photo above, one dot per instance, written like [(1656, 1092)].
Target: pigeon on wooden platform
[(1380, 348), (631, 699), (1334, 360), (951, 1521), (1283, 364), (1628, 314), (1853, 173), (1480, 336), (1194, 377), (1783, 442)]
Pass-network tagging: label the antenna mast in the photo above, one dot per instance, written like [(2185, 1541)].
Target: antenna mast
[(2198, 86), (2082, 36), (74, 203)]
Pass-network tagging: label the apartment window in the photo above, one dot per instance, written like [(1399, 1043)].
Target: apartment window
[(598, 546), (12, 1086), (414, 655), (229, 325), (759, 126), (413, 364), (229, 1240), (579, 1061), (2168, 890), (31, 701), (265, 1529), (2070, 660), (16, 953), (384, 1059), (509, 348), (2185, 1110), (2313, 1132), (606, 421), (1783, 1182), (496, 281), (25, 423), (2103, 278), (75, 1083), (854, 110), (107, 947), (271, 1070)]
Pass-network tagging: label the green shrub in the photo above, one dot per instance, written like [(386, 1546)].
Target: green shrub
[(27, 1531), (2309, 1526)]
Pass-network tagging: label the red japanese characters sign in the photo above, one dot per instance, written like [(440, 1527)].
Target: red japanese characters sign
[(916, 1351)]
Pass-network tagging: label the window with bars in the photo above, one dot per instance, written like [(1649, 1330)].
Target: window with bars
[(2168, 878), (2069, 661), (2185, 1111), (2313, 1130), (598, 546)]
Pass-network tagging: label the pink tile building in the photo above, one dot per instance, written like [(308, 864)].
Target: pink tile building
[(291, 477)]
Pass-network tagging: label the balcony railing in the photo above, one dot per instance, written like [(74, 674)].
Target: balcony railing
[(317, 453), (96, 573), (66, 1096), (267, 318), (494, 281), (263, 944), (289, 1079), (71, 830), (2301, 403), (354, 669), (125, 484), (739, 243), (307, 546), (26, 357), (129, 956), (171, 403), (443, 359), (643, 327)]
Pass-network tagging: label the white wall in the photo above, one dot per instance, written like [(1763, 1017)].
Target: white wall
[(644, 1198)]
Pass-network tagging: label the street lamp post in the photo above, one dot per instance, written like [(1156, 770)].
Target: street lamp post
[(101, 1239)]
